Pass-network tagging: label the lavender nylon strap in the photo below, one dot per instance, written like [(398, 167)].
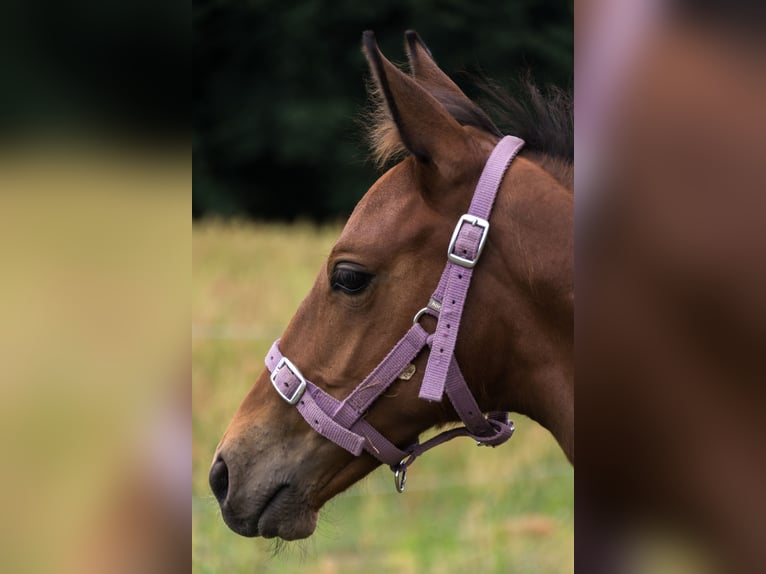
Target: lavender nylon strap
[(340, 421), (457, 278), (314, 405), (378, 381), (505, 430), (494, 170)]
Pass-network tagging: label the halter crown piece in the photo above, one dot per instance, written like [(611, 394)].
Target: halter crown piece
[(343, 422)]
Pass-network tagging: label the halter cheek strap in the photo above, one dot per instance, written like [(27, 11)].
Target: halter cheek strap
[(464, 250), (343, 422)]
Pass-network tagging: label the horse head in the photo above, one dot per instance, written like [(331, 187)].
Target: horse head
[(272, 470)]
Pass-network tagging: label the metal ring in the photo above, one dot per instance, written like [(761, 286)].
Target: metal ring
[(419, 314), (400, 477)]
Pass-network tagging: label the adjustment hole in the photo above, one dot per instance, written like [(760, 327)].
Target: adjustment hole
[(303, 403), (453, 301), (285, 384), (441, 350), (448, 326), (316, 422), (459, 276)]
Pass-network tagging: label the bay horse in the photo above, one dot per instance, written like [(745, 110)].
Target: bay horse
[(322, 415)]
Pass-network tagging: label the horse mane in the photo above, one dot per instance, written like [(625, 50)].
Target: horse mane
[(543, 119)]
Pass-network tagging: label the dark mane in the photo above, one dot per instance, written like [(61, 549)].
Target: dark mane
[(544, 120), (465, 112)]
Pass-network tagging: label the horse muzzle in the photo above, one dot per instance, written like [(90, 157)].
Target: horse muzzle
[(261, 504)]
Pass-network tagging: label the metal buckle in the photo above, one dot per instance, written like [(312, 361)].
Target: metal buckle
[(473, 220), (285, 362)]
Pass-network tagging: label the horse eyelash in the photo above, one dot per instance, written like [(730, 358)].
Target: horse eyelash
[(337, 283)]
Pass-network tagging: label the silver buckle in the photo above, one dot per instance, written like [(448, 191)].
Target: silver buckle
[(473, 220), (285, 362)]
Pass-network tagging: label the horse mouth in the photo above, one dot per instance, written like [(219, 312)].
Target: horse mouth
[(282, 514), (264, 522)]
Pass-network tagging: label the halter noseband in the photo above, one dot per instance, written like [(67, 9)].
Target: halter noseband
[(343, 422)]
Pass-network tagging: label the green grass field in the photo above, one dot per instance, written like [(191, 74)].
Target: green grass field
[(465, 510)]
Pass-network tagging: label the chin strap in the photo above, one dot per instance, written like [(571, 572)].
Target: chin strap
[(343, 422)]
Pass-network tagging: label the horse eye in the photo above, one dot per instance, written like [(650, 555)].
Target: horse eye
[(349, 279)]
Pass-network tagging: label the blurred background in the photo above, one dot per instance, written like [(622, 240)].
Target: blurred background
[(671, 286), (95, 195)]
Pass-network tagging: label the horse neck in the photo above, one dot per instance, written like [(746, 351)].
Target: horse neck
[(526, 340)]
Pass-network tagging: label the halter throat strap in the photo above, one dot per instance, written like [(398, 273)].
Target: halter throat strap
[(343, 422)]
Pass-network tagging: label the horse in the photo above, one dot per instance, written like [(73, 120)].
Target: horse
[(322, 415)]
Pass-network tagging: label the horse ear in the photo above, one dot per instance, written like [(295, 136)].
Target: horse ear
[(424, 68), (423, 125), (437, 83)]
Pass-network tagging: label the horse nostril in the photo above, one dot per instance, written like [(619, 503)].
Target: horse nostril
[(219, 479)]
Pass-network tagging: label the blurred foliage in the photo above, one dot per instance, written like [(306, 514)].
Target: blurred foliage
[(278, 89)]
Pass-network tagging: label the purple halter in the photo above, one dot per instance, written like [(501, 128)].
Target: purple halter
[(343, 422)]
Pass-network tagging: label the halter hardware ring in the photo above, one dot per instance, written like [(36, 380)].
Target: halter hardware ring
[(400, 477), (476, 222), (298, 393), (419, 314), (432, 309)]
